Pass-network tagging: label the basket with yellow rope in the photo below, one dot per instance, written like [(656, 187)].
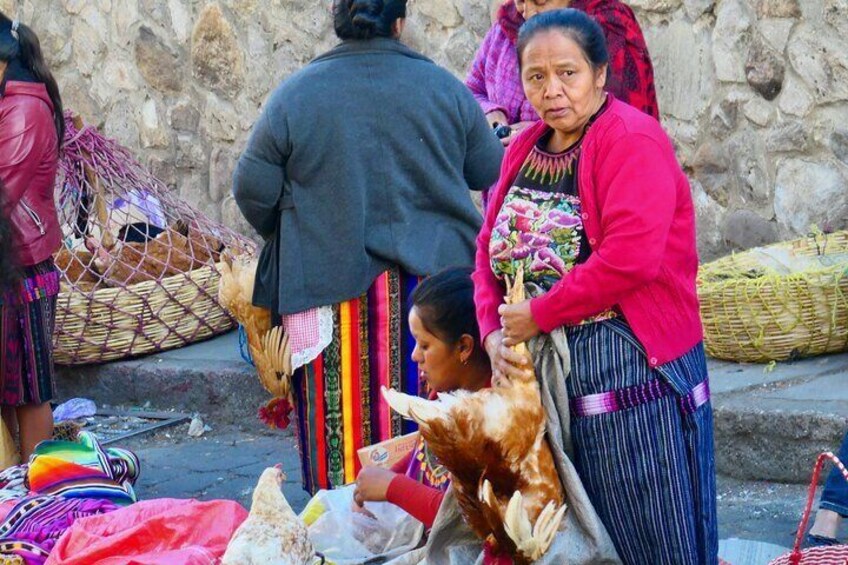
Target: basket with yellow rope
[(779, 302)]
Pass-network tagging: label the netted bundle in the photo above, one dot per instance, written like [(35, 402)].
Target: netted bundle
[(138, 264), (778, 302)]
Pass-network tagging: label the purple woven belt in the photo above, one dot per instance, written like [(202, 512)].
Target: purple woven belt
[(625, 398)]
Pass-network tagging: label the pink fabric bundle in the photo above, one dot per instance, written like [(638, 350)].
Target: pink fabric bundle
[(155, 532)]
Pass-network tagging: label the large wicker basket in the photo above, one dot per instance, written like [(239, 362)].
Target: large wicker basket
[(755, 312), (147, 317), (138, 265)]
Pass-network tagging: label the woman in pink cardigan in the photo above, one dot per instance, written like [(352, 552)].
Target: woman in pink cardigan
[(593, 206)]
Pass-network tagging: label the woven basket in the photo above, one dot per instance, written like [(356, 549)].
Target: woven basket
[(754, 311), (828, 555), (151, 316), (138, 265)]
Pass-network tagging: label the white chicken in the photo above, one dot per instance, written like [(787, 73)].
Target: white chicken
[(272, 534)]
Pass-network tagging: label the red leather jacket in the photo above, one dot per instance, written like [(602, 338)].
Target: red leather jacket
[(28, 163)]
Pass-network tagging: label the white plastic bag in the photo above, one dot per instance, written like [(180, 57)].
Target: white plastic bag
[(346, 537)]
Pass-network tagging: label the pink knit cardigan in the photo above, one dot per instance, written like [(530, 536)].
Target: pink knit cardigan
[(640, 222)]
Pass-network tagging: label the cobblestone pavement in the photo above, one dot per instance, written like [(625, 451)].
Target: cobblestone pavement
[(227, 461)]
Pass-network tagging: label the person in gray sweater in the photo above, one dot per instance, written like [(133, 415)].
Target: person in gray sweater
[(357, 174)]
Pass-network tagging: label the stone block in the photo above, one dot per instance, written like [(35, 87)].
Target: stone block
[(217, 58), (232, 218), (711, 166), (443, 12), (764, 70), (776, 32), (221, 119), (744, 229), (821, 60), (184, 116), (160, 65), (730, 38), (659, 6), (809, 192), (708, 220), (696, 8), (838, 143), (796, 99), (750, 171), (836, 14), (778, 9), (181, 19), (682, 62), (758, 111), (788, 136), (222, 163), (152, 131), (88, 39)]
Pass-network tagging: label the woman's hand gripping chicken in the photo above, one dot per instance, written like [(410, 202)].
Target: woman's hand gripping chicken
[(493, 443)]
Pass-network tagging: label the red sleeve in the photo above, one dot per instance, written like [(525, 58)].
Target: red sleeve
[(418, 500), (21, 147), (637, 189)]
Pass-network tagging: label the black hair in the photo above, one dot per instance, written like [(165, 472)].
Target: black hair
[(445, 304), (574, 24), (25, 63), (8, 267), (366, 19)]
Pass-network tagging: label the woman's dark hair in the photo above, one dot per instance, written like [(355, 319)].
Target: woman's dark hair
[(366, 19), (8, 267), (574, 24), (25, 63), (445, 304)]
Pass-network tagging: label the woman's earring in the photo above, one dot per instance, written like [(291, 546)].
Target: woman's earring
[(465, 361)]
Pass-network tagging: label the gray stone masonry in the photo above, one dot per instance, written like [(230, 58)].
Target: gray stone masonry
[(754, 93)]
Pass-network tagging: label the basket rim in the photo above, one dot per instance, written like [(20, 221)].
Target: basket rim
[(808, 276), (139, 287)]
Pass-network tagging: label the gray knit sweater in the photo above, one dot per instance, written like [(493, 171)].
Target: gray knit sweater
[(359, 162)]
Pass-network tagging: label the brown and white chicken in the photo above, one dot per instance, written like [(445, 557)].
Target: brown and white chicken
[(176, 250), (272, 534), (493, 443), (269, 347)]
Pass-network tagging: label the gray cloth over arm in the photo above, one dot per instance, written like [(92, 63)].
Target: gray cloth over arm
[(582, 538), (360, 162)]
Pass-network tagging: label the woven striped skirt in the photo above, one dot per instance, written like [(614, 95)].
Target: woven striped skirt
[(27, 317), (337, 397), (643, 445)]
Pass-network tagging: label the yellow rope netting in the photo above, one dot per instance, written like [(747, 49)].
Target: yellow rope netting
[(779, 302)]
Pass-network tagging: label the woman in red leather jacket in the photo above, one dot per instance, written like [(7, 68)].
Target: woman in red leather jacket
[(31, 129)]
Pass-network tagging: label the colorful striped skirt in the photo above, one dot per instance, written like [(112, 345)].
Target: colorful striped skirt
[(337, 397), (643, 446), (27, 317)]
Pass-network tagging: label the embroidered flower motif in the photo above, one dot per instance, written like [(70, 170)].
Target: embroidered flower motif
[(538, 229)]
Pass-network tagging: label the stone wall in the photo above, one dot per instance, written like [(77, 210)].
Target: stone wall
[(754, 92)]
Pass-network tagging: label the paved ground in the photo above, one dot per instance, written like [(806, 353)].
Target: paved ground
[(226, 462), (769, 425)]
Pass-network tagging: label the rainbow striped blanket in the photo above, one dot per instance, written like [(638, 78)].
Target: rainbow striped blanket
[(67, 481), (83, 469)]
